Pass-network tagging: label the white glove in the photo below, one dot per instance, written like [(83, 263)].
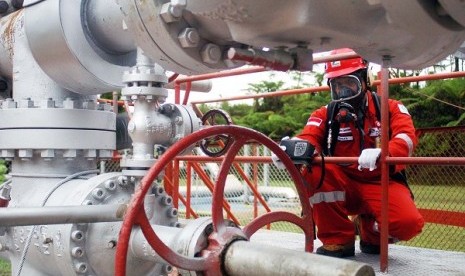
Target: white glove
[(276, 161), (368, 159)]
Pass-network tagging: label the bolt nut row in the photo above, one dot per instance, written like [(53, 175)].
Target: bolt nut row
[(210, 52), (189, 37), (68, 103), (49, 154)]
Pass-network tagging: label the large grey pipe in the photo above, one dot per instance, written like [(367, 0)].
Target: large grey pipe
[(247, 258), (61, 214)]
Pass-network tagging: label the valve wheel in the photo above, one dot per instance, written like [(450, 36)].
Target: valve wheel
[(209, 262), (217, 145)]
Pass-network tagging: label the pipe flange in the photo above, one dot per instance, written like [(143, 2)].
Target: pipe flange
[(109, 190), (76, 62), (164, 38), (92, 127)]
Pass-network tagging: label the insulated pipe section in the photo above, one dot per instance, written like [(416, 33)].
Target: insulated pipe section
[(61, 215), (246, 258)]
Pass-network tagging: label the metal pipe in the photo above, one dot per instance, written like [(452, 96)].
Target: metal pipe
[(142, 250), (61, 214), (247, 258)]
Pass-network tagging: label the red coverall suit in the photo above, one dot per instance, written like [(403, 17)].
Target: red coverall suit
[(348, 191)]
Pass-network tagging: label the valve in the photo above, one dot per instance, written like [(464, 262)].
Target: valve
[(222, 235), (217, 145)]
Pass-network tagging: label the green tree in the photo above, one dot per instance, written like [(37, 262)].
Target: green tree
[(279, 116), (3, 171), (438, 103), (270, 103)]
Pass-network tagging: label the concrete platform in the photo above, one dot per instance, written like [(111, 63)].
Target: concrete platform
[(403, 260)]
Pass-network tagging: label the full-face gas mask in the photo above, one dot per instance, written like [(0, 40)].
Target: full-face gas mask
[(347, 89)]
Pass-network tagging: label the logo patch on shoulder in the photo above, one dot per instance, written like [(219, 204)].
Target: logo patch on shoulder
[(314, 121), (403, 109)]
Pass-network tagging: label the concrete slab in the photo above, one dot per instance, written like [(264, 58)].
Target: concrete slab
[(403, 260)]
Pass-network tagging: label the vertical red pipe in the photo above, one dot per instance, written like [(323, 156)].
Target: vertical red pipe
[(255, 182), (175, 182), (188, 188), (169, 176), (187, 93), (177, 92), (384, 167)]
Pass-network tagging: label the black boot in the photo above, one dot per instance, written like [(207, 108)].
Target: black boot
[(337, 250)]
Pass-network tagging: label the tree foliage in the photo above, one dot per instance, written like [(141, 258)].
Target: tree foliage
[(3, 171), (438, 103)]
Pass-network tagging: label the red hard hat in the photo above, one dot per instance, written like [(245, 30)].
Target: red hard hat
[(343, 67)]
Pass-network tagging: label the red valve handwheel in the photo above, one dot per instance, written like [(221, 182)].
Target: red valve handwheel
[(209, 263)]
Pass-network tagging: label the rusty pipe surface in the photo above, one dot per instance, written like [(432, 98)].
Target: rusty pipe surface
[(61, 214), (9, 25), (247, 258)]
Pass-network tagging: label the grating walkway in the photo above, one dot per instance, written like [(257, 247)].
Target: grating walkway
[(403, 260)]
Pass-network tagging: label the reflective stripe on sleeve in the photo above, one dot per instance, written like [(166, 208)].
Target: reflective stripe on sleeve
[(328, 197), (407, 140)]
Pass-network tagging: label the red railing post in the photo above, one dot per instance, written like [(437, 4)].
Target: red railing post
[(188, 188), (384, 168), (175, 181)]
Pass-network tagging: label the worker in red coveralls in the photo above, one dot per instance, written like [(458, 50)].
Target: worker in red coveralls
[(349, 127)]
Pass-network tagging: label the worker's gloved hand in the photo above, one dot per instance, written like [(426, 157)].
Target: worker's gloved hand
[(300, 151), (276, 161), (368, 159)]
